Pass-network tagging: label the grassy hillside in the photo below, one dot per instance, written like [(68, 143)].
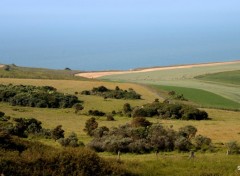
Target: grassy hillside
[(230, 77), (73, 122), (223, 127), (202, 97), (37, 73)]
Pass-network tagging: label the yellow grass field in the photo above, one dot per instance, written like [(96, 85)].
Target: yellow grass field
[(224, 126)]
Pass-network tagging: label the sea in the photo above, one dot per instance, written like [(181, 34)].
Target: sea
[(118, 35)]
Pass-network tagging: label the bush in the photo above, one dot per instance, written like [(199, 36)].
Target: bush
[(110, 117), (90, 125), (57, 133), (42, 97), (172, 111), (78, 107), (71, 141), (126, 138), (140, 122), (2, 114), (233, 147), (117, 93), (202, 143), (96, 113), (71, 161)]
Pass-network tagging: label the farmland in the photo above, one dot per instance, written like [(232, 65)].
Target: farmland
[(186, 78), (230, 77)]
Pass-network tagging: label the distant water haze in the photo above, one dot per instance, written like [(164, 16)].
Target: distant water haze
[(119, 34)]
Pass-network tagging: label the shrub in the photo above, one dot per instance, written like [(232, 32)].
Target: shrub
[(117, 93), (90, 125), (202, 143), (2, 114), (71, 141), (96, 113), (182, 144), (188, 131), (233, 147), (45, 96), (110, 117), (140, 122), (78, 107), (57, 133), (71, 161)]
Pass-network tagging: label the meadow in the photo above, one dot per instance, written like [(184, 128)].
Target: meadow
[(201, 97), (222, 127), (230, 77)]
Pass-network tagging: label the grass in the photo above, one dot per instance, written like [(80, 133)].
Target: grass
[(223, 127), (38, 73), (178, 164), (185, 78), (202, 97), (230, 77)]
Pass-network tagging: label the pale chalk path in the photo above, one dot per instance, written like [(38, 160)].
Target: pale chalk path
[(106, 73)]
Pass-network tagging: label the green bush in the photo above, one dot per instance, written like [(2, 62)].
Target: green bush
[(42, 97), (117, 93), (169, 111), (90, 125), (127, 138), (70, 141), (57, 133)]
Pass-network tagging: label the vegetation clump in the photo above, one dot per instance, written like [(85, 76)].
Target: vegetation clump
[(70, 141), (143, 137), (115, 94), (32, 96), (38, 159), (166, 111)]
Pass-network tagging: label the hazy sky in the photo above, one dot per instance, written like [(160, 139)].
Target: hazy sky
[(118, 34)]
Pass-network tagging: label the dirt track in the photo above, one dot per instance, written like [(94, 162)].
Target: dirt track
[(105, 73)]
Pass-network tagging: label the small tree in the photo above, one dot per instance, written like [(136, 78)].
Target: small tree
[(57, 133), (90, 126)]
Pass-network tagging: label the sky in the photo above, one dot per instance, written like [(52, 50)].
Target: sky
[(118, 34)]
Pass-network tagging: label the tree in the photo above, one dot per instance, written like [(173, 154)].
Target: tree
[(57, 133), (90, 126)]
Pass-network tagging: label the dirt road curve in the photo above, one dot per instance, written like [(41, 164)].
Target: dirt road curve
[(105, 73)]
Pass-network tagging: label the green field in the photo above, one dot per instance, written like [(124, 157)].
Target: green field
[(202, 97), (230, 77), (185, 77)]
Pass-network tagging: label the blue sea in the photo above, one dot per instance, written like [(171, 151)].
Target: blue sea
[(118, 35)]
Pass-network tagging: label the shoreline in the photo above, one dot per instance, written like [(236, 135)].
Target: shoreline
[(96, 74)]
